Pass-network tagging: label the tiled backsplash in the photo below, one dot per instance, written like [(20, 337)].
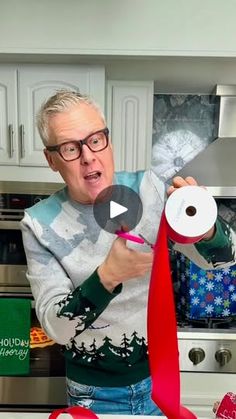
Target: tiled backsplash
[(183, 125)]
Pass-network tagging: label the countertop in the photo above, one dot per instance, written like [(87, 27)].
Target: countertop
[(30, 415)]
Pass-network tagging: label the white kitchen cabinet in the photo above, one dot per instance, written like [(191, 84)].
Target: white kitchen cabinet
[(22, 91), (129, 118), (8, 115)]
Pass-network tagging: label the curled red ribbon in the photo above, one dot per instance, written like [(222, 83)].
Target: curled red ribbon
[(77, 412), (162, 333)]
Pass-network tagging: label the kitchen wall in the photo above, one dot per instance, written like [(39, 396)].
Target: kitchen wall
[(185, 46), (127, 27)]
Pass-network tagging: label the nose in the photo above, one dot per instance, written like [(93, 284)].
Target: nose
[(87, 156)]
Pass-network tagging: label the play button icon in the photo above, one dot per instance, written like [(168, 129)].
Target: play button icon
[(118, 207)]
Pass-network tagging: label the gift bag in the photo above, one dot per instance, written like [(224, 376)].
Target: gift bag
[(204, 294), (227, 407)]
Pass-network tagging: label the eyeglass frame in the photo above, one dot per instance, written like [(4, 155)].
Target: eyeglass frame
[(81, 143)]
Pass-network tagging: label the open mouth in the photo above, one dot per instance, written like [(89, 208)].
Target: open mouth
[(93, 176)]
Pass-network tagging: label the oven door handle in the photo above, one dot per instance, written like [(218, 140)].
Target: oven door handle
[(6, 223)]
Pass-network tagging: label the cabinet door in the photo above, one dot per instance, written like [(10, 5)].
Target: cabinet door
[(35, 85), (129, 115), (8, 116)]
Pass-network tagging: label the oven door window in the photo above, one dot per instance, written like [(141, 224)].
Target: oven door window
[(11, 248)]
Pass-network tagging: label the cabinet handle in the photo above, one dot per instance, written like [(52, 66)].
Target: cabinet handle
[(10, 136), (22, 141)]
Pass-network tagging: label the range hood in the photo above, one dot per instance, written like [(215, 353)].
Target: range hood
[(215, 167)]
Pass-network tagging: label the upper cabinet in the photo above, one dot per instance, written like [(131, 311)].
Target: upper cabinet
[(8, 115), (22, 90), (129, 117)]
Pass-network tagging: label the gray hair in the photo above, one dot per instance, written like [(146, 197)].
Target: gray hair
[(61, 102)]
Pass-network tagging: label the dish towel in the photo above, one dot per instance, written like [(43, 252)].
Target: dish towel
[(14, 336)]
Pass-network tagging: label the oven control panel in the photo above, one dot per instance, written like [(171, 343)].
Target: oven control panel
[(19, 201), (207, 355), (12, 206)]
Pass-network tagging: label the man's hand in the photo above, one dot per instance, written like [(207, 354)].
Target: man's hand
[(178, 182), (215, 406), (122, 264)]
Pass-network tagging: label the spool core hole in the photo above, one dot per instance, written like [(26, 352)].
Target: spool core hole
[(191, 211)]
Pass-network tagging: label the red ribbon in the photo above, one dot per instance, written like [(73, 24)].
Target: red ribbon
[(77, 412), (162, 333), (162, 339)]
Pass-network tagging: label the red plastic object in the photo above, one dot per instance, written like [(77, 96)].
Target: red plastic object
[(77, 412), (227, 407)]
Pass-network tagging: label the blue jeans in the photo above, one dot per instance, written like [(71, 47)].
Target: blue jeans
[(129, 400)]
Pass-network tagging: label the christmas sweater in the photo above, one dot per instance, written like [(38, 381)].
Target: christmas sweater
[(103, 334)]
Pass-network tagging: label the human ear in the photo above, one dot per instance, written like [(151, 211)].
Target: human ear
[(50, 160)]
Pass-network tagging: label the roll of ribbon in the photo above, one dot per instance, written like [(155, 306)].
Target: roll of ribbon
[(190, 213)]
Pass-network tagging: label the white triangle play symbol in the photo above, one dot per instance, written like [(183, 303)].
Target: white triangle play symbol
[(116, 209)]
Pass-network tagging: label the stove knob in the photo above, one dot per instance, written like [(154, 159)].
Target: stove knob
[(223, 356), (196, 355)]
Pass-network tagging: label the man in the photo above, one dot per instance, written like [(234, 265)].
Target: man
[(91, 287)]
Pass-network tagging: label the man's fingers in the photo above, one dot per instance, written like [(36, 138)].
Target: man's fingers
[(170, 190), (121, 240), (178, 181), (191, 181)]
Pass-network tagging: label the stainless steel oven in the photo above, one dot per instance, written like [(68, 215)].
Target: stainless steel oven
[(44, 387)]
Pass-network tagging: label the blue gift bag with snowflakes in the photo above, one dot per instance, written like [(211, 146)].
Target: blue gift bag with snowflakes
[(205, 294)]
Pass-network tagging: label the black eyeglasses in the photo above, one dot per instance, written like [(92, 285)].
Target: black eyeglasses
[(71, 150)]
